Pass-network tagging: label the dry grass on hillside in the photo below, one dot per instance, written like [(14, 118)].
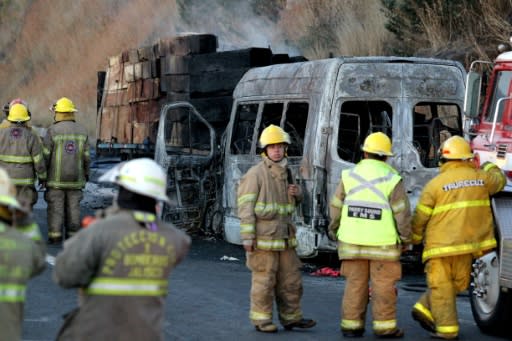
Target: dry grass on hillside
[(341, 28)]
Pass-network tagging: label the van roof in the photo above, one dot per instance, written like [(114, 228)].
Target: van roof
[(313, 76)]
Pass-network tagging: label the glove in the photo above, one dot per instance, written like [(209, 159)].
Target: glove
[(42, 184)]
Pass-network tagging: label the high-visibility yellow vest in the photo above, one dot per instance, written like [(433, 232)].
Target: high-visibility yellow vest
[(366, 217)]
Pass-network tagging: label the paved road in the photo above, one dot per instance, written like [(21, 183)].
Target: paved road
[(208, 300)]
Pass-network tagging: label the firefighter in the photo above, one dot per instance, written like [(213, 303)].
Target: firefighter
[(454, 221), (66, 150), (7, 107), (123, 261), (22, 254), (266, 200), (21, 154), (371, 220)]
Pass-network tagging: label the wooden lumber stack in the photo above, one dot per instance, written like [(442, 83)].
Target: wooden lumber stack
[(138, 82)]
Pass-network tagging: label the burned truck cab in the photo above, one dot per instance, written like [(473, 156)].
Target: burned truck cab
[(329, 107)]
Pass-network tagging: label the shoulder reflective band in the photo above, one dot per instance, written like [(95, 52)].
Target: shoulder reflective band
[(127, 287)]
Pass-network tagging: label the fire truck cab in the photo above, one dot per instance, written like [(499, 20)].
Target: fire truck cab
[(488, 105)]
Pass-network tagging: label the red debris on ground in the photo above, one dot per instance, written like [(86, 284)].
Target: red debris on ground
[(326, 271)]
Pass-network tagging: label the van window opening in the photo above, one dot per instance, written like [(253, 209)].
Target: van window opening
[(185, 133), (502, 89), (358, 119), (434, 123), (243, 128), (291, 116)]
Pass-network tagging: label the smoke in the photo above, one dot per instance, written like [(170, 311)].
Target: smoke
[(56, 47)]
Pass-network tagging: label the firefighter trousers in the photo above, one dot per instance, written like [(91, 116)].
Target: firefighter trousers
[(446, 277), (275, 274), (63, 209), (383, 276), (26, 195)]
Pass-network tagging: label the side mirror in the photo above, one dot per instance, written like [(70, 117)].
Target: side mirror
[(472, 94)]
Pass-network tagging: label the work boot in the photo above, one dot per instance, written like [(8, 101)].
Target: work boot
[(425, 322), (267, 327), (302, 324), (54, 240), (353, 332), (443, 336), (396, 333)]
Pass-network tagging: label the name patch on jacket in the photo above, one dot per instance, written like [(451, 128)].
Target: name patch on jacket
[(364, 212), (463, 184)]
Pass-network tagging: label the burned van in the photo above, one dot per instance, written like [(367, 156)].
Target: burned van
[(329, 107)]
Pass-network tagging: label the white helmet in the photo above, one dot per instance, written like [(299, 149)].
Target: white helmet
[(8, 202), (143, 176)]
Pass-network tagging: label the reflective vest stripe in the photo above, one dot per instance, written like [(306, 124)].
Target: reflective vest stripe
[(348, 251), (366, 216), (461, 204), (12, 292), (370, 185), (458, 249), (127, 287)]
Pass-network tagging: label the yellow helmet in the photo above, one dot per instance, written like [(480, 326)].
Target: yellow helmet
[(272, 135), (378, 143), (64, 105), (456, 148), (18, 113)]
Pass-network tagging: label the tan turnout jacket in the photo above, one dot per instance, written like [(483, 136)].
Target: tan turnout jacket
[(123, 263)]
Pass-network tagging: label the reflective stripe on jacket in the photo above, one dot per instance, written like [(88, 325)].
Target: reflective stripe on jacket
[(21, 154), (66, 149), (453, 215), (127, 287), (367, 217), (264, 207)]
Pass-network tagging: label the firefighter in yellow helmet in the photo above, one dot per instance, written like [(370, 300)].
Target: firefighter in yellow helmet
[(22, 257), (21, 154), (454, 221), (370, 219), (8, 106), (66, 150), (107, 260), (267, 198)]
